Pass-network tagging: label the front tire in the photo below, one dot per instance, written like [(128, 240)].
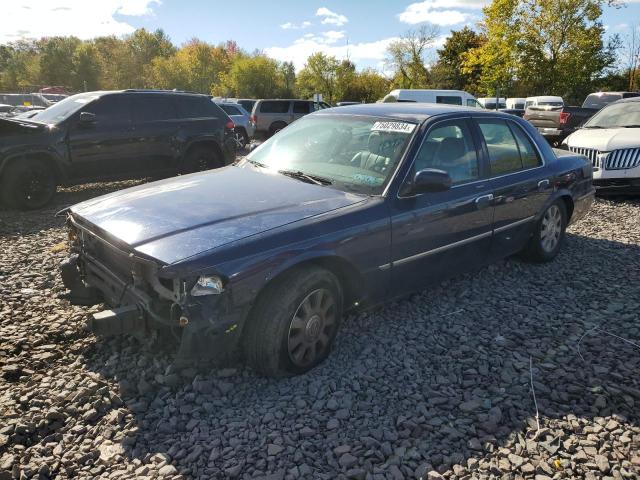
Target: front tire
[(549, 234), (294, 323), (199, 159), (28, 184)]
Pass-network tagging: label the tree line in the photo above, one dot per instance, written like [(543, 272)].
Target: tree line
[(520, 48)]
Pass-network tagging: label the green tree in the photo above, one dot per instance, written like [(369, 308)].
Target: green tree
[(447, 72), (56, 60), (254, 77), (407, 57), (86, 68), (318, 76), (542, 47), (288, 72)]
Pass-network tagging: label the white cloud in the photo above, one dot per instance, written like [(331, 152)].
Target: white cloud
[(440, 12), (331, 18), (300, 50), (294, 26), (81, 18)]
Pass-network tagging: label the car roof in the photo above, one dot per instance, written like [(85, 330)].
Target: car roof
[(630, 99), (417, 112)]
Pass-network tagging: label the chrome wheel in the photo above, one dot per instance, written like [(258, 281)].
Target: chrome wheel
[(312, 327), (551, 228), (240, 140)]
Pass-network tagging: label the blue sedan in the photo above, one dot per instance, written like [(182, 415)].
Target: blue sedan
[(344, 209)]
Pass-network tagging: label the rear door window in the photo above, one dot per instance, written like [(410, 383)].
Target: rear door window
[(528, 153), (274, 107), (504, 154), (449, 99), (196, 107), (152, 108), (301, 107), (230, 110)]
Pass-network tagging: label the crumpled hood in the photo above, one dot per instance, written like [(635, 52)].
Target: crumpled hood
[(606, 139), (177, 218)]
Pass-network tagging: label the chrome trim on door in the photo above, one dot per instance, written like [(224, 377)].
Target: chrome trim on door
[(442, 248), (514, 224)]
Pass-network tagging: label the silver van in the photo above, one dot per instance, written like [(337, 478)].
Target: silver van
[(271, 116)]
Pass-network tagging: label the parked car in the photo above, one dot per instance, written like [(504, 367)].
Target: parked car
[(611, 140), (493, 103), (514, 111), (107, 135), (271, 116), (449, 97), (556, 122), (346, 208), (5, 110), (247, 103), (244, 127), (516, 103)]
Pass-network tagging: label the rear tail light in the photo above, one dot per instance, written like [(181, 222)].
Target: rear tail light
[(564, 116), (230, 125), (254, 119)]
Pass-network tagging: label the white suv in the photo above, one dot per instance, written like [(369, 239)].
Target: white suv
[(611, 140)]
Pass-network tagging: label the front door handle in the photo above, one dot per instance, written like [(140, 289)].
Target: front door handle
[(543, 184), (484, 201)]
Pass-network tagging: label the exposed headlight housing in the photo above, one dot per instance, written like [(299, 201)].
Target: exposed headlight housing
[(207, 285)]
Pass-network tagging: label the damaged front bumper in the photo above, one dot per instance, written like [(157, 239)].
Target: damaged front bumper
[(142, 302)]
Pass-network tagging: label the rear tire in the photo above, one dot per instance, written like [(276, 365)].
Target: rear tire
[(199, 159), (294, 323), (276, 127), (548, 235), (28, 184)]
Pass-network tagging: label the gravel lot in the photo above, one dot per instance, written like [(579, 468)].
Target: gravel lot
[(435, 385)]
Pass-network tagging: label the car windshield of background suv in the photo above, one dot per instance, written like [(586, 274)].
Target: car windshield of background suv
[(64, 108), (616, 115), (351, 153)]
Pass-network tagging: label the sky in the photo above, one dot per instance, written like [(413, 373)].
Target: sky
[(285, 30)]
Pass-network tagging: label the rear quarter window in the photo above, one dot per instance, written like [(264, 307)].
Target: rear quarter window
[(275, 107)]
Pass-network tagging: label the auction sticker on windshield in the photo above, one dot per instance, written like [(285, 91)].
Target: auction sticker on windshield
[(400, 127)]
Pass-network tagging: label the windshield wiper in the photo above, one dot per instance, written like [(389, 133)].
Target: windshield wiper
[(305, 177), (630, 126), (593, 126)]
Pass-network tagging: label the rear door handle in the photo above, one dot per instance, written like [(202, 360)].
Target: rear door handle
[(484, 201), (543, 184)]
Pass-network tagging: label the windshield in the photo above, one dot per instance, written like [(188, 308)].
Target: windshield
[(623, 114), (351, 153), (64, 108)]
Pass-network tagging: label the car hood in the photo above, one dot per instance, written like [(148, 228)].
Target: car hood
[(10, 126), (174, 219), (605, 139)]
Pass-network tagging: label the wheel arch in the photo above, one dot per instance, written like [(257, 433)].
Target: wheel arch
[(349, 277), (565, 197), (49, 158)]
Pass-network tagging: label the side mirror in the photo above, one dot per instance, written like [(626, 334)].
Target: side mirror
[(253, 146), (431, 180), (87, 118)]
